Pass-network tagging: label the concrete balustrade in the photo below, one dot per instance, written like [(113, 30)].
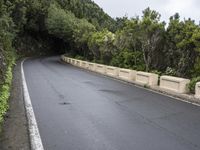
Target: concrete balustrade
[(197, 90), (178, 85), (73, 61), (92, 66), (100, 68), (66, 59), (112, 71), (167, 83), (78, 63), (84, 64), (69, 60), (145, 78), (63, 57), (127, 74)]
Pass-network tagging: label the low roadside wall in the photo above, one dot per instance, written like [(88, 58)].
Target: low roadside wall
[(78, 63), (148, 79), (91, 66), (178, 85), (66, 59), (84, 64), (69, 60), (167, 83), (127, 74), (197, 90), (100, 68), (112, 71), (63, 58), (73, 61)]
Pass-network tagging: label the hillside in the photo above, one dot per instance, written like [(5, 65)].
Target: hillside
[(43, 27)]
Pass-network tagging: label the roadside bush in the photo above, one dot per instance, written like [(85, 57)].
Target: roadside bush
[(79, 57), (156, 72), (5, 91), (192, 84), (128, 59), (170, 71)]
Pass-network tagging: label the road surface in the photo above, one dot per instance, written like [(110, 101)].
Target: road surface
[(80, 110)]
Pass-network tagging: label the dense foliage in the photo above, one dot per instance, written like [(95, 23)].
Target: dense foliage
[(40, 27), (82, 29), (192, 84), (148, 44), (6, 56)]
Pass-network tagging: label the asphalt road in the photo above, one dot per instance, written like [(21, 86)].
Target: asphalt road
[(80, 110)]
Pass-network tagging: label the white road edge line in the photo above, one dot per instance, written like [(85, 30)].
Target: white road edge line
[(35, 139)]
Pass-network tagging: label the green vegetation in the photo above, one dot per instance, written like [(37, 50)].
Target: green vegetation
[(5, 91), (6, 57), (44, 27), (192, 84), (83, 30)]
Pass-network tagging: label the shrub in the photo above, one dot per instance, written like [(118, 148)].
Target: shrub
[(5, 92), (128, 59), (170, 71), (192, 84), (79, 57), (156, 72)]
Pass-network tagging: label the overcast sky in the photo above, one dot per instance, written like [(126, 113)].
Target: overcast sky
[(167, 8)]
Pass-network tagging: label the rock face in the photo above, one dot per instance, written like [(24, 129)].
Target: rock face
[(2, 65)]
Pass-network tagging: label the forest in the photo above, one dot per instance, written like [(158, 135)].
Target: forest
[(81, 29)]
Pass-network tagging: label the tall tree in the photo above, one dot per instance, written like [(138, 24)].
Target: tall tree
[(151, 35), (101, 45)]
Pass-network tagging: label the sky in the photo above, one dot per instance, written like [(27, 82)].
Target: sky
[(167, 8)]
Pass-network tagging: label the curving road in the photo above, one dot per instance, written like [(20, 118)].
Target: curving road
[(80, 110)]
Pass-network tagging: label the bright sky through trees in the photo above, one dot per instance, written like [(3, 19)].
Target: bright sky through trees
[(167, 8)]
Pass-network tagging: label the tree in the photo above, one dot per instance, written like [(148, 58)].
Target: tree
[(182, 50), (129, 46), (60, 23), (101, 46), (121, 22), (151, 35), (187, 48), (172, 52), (81, 35), (90, 11)]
